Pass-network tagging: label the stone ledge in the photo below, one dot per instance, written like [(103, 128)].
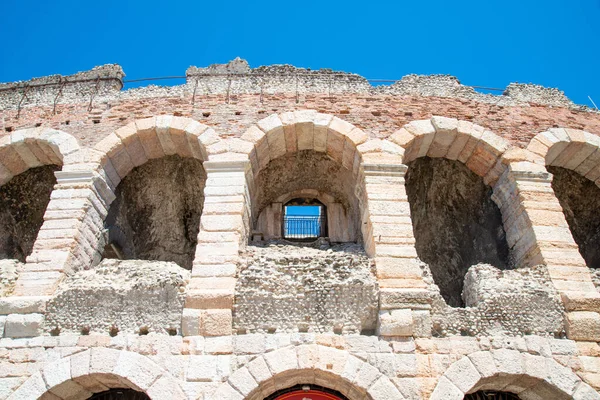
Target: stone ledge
[(23, 304)]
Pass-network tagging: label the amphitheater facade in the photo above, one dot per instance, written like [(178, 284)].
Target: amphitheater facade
[(147, 248)]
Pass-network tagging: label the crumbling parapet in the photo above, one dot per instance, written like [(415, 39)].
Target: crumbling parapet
[(511, 302), (100, 81), (104, 84)]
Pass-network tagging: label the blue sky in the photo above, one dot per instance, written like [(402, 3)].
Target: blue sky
[(486, 43)]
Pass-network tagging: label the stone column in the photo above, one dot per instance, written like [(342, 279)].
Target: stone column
[(68, 239), (388, 234), (224, 228), (537, 233)]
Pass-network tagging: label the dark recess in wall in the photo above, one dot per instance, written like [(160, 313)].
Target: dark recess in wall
[(455, 222)]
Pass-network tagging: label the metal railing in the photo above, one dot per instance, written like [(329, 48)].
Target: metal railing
[(304, 227)]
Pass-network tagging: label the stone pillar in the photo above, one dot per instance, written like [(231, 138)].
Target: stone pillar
[(224, 228), (270, 221), (388, 234), (69, 238), (537, 233), (339, 224)]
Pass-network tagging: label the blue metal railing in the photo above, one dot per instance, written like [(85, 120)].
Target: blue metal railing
[(303, 226)]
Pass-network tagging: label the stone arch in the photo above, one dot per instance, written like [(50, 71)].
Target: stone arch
[(96, 370), (289, 132), (35, 147), (178, 142), (155, 137), (29, 161), (529, 376), (326, 136), (572, 149), (440, 137), (450, 182), (310, 364)]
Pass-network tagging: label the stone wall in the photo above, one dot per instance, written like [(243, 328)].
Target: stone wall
[(293, 288), (249, 320), (512, 303), (120, 296)]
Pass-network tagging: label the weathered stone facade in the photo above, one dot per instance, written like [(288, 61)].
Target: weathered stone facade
[(186, 186)]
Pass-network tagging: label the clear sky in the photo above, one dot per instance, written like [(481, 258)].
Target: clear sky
[(554, 43)]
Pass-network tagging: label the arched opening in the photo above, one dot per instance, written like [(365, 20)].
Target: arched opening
[(307, 249), (119, 394), (455, 222), (579, 198), (304, 219), (306, 391), (23, 202), (156, 212), (307, 173)]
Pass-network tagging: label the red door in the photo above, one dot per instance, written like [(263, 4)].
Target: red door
[(307, 395)]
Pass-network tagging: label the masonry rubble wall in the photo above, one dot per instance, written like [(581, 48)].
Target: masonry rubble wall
[(129, 296), (511, 302), (286, 287)]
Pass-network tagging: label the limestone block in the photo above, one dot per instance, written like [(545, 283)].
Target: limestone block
[(259, 370), (226, 391), (281, 360), (165, 388), (57, 372), (585, 392), (33, 388), (216, 322), (422, 323), (243, 381), (581, 301), (395, 323), (23, 325), (583, 325), (335, 145), (485, 364), (384, 389), (463, 374), (103, 360), (249, 344), (137, 369), (190, 322)]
